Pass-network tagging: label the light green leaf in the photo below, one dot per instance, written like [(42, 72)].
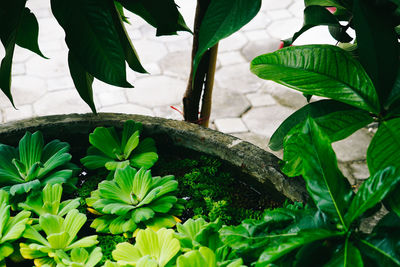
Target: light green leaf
[(371, 192), (105, 141), (325, 183), (126, 253), (5, 251), (24, 187), (142, 183), (223, 18), (204, 257), (131, 144), (337, 120), (142, 214), (73, 223), (313, 69), (31, 148), (145, 160), (87, 241), (384, 149)]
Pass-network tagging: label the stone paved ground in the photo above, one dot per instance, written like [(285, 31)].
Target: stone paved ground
[(243, 105)]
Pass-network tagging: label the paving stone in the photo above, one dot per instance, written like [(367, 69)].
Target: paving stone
[(347, 172), (260, 21), (60, 83), (112, 97), (230, 125), (56, 66), (265, 120), (128, 109), (284, 95), (238, 78), (27, 89), (259, 47), (360, 170), (283, 29), (176, 64), (51, 45), (150, 51), (234, 42), (229, 58), (134, 34), (60, 102), (316, 35), (258, 140), (12, 114), (279, 14), (228, 104), (297, 9), (168, 112), (157, 91), (181, 45), (256, 35), (49, 29), (261, 99), (18, 69), (353, 147), (274, 4), (21, 54)]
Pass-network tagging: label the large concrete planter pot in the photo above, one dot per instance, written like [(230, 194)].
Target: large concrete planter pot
[(261, 166)]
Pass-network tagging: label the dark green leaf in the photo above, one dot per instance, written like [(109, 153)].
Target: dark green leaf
[(286, 243), (92, 38), (130, 53), (317, 16), (322, 70), (349, 256), (25, 187), (83, 81), (306, 255), (163, 15), (381, 251), (371, 192), (325, 183), (338, 121), (222, 18), (11, 13), (28, 31), (384, 149), (378, 46)]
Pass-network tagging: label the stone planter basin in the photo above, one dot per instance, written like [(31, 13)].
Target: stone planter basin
[(260, 166)]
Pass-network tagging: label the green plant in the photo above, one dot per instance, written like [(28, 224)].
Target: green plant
[(151, 249), (11, 228), (111, 152), (203, 257), (48, 201), (80, 257), (134, 199), (60, 235), (329, 227), (32, 165)]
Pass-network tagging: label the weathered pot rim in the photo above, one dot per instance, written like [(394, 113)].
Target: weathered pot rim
[(258, 163)]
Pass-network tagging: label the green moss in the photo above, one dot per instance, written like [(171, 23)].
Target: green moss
[(213, 190), (107, 244)]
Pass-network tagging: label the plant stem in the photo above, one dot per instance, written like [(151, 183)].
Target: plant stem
[(208, 89), (194, 89)]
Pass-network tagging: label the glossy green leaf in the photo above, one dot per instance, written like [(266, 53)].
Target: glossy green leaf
[(163, 15), (313, 69), (82, 80), (131, 56), (103, 139), (187, 232), (287, 242), (316, 15), (31, 148), (349, 256), (92, 38), (382, 251), (336, 119), (377, 44), (223, 18), (11, 13), (197, 258), (325, 183), (384, 149), (371, 192), (28, 31), (24, 187)]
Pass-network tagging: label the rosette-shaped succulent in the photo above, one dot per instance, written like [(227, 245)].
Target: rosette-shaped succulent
[(152, 249), (60, 234), (11, 228), (34, 164), (110, 151), (135, 199), (79, 257), (49, 201)]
